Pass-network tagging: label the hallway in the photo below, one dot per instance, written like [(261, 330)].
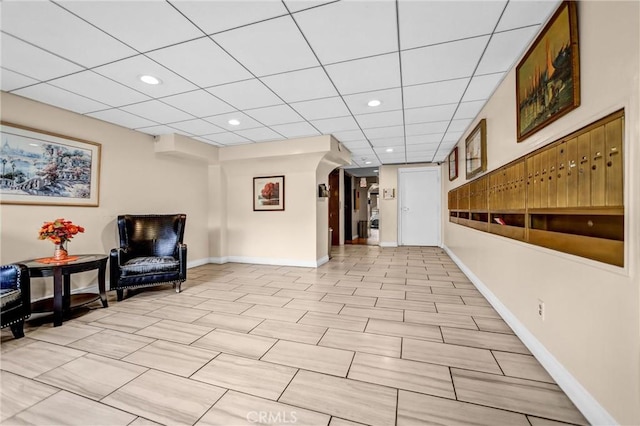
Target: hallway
[(377, 336)]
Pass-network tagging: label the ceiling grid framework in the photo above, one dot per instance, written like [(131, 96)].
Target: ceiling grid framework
[(284, 69)]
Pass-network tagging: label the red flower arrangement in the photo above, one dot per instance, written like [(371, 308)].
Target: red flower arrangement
[(59, 231)]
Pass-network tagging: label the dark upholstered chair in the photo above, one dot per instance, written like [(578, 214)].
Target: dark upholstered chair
[(15, 294), (151, 252)]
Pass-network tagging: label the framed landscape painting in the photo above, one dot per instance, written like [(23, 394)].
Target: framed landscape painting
[(268, 193), (476, 150), (453, 164), (548, 77), (45, 168)]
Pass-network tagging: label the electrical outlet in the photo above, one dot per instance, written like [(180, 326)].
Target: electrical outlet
[(541, 312)]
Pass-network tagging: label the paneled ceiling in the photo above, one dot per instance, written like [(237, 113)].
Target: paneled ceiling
[(282, 69)]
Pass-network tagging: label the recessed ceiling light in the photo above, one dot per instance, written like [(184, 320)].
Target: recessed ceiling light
[(374, 103), (149, 79), (367, 162), (234, 122), (375, 171), (389, 149), (34, 144)]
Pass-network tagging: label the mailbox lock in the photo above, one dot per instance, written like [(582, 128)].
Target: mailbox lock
[(590, 223), (598, 155)]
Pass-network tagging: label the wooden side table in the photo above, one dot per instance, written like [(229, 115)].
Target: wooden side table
[(62, 300)]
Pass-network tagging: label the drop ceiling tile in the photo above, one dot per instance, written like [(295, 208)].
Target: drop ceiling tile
[(430, 94), (268, 47), (246, 94), (353, 145), (350, 29), (452, 137), (524, 13), (428, 114), (157, 111), (222, 120), (380, 119), (60, 98), (504, 49), (12, 80), (260, 134), (391, 99), (99, 88), (426, 128), (297, 5), (385, 132), (296, 130), (482, 86), (391, 157), (321, 108), (349, 135), (278, 114), (123, 118), (301, 85), (205, 140), (154, 130), (387, 142), (459, 125), (49, 26), (202, 62), (431, 22), (227, 138), (216, 16), (33, 62), (364, 75), (136, 23), (331, 125), (423, 148), (441, 62), (433, 138), (197, 127), (468, 109), (128, 72), (198, 103)]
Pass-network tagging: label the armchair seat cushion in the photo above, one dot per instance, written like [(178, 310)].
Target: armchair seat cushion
[(149, 265), (10, 297)]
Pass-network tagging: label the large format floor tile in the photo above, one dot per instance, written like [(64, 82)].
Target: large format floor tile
[(349, 399), (376, 336), (165, 398)]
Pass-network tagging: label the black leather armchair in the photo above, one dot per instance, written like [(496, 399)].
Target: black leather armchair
[(15, 296), (151, 252)]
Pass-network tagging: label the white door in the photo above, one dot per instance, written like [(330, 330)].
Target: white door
[(419, 206)]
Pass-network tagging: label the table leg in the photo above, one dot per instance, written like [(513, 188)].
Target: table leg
[(101, 284), (66, 296), (57, 296)]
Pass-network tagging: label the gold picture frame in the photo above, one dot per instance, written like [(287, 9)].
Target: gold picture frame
[(548, 76), (43, 168), (476, 150)]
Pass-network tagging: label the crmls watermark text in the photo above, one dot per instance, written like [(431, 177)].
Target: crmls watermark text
[(269, 417)]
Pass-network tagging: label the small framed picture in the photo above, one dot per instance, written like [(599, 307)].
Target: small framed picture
[(476, 150), (453, 164), (268, 193)]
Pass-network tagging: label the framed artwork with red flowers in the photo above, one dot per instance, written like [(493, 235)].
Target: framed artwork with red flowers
[(268, 193), (44, 168)]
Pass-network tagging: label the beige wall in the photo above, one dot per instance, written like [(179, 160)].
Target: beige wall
[(133, 179), (592, 324)]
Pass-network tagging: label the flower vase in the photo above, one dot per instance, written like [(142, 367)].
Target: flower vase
[(60, 252)]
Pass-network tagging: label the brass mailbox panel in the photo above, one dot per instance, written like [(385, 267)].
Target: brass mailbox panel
[(552, 199), (584, 170), (598, 167), (572, 172), (614, 174), (561, 174), (544, 174)]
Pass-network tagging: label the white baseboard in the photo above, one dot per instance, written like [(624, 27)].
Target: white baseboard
[(583, 400), (198, 262), (389, 244), (272, 261)]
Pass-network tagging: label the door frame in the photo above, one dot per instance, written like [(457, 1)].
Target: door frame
[(438, 171)]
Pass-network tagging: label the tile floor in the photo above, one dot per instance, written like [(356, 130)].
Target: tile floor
[(377, 336)]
